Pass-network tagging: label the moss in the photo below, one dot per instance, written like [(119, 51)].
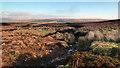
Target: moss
[(103, 48)]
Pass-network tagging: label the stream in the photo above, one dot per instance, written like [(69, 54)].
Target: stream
[(71, 50), (61, 58)]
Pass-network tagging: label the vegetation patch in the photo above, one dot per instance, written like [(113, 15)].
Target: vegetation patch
[(84, 59), (103, 48)]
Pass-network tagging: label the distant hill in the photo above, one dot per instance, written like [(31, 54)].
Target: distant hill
[(68, 20), (53, 20)]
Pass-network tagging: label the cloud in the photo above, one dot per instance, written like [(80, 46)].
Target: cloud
[(15, 15), (7, 15), (19, 14)]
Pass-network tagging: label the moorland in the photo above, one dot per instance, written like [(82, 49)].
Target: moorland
[(61, 45)]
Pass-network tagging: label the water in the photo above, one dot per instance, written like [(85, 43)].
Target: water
[(59, 57), (71, 50)]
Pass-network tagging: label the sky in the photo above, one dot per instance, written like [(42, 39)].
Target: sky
[(60, 0), (77, 10)]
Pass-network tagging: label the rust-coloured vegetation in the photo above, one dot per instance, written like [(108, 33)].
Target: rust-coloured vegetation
[(35, 44)]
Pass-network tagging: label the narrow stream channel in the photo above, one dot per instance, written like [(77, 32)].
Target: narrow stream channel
[(71, 50)]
